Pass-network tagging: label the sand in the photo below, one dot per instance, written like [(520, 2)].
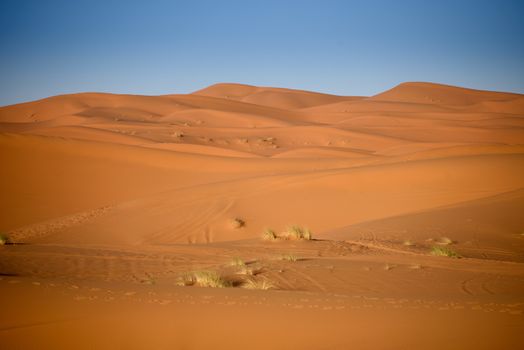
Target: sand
[(110, 200)]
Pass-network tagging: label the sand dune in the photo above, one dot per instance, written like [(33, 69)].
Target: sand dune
[(115, 197), (274, 97)]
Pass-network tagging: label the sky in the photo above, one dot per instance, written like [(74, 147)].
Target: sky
[(342, 47)]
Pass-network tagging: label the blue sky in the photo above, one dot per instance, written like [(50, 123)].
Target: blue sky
[(342, 47)]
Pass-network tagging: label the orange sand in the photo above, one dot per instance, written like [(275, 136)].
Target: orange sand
[(113, 197)]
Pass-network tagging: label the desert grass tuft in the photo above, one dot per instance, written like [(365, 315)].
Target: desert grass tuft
[(388, 267), (238, 223), (444, 241), (236, 261), (296, 232), (210, 279), (261, 284), (288, 257), (246, 270), (444, 251), (269, 235), (185, 280), (4, 239), (203, 279), (307, 235)]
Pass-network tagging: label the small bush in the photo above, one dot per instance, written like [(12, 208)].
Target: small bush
[(269, 235), (4, 239), (238, 223), (444, 251), (262, 284)]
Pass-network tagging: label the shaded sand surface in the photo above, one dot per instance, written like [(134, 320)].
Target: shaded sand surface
[(112, 201)]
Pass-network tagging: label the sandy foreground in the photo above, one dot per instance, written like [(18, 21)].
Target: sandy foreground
[(113, 201)]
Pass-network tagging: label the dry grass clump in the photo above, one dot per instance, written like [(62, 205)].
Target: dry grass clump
[(4, 239), (295, 232), (246, 270), (262, 284), (388, 267), (415, 267), (237, 223), (186, 280), (444, 251), (288, 257), (203, 279), (307, 235), (269, 235), (236, 261), (444, 241)]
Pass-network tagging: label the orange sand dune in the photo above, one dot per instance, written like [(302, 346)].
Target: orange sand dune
[(274, 97), (115, 199)]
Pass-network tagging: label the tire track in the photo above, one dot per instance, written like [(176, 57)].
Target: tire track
[(49, 227)]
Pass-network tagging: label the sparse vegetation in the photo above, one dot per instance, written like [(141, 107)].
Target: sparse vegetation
[(408, 243), (4, 239), (262, 284), (415, 266), (288, 257), (307, 235), (269, 235), (444, 251), (185, 280), (246, 270), (203, 279), (237, 262), (295, 232), (444, 241), (388, 267), (238, 223)]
